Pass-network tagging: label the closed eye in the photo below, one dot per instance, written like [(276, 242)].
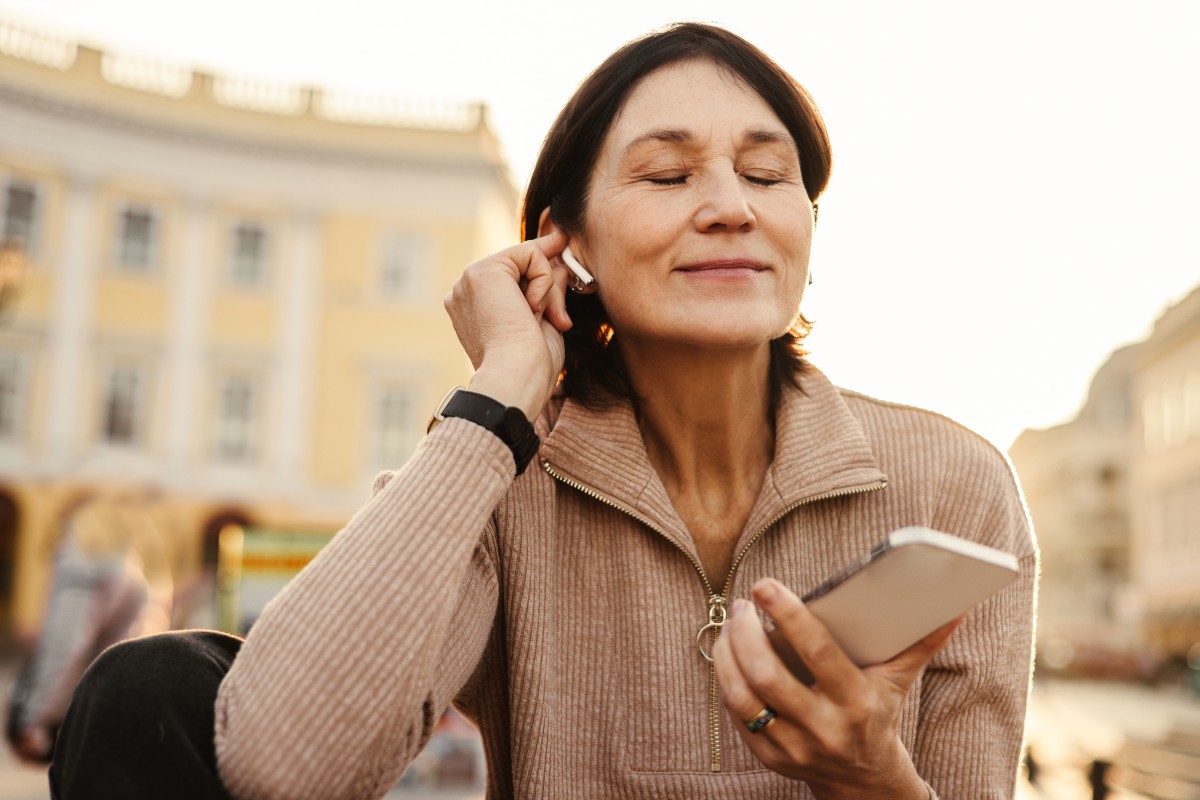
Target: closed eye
[(674, 180), (759, 180)]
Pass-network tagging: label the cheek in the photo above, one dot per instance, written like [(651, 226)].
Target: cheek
[(627, 241)]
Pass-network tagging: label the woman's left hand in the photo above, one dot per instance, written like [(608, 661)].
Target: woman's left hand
[(839, 735)]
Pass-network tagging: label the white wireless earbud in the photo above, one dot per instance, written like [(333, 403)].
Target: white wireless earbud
[(584, 277)]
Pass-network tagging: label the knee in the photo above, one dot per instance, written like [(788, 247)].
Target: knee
[(161, 669), (143, 716)]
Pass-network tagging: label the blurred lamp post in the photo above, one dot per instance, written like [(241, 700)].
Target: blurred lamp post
[(12, 270)]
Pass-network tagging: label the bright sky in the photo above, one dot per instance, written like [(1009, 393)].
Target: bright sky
[(1016, 189)]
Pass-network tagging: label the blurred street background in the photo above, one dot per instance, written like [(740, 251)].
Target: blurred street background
[(225, 233)]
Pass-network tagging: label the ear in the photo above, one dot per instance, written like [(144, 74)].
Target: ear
[(546, 223), (581, 281)]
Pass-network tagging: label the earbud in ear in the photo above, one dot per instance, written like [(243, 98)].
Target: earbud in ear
[(583, 278)]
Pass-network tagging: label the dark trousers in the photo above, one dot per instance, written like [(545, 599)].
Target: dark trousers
[(142, 720)]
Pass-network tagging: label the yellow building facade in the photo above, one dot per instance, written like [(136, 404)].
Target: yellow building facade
[(229, 294)]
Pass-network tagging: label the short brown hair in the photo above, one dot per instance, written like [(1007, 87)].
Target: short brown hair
[(594, 371)]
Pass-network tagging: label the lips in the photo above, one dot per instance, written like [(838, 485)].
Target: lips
[(725, 265)]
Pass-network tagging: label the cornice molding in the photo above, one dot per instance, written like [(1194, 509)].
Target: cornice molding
[(92, 115)]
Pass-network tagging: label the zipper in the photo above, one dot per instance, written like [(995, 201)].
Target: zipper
[(717, 611)]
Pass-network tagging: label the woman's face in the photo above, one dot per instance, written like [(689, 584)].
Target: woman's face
[(698, 224)]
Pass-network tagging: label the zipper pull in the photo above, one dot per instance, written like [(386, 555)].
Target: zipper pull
[(717, 614)]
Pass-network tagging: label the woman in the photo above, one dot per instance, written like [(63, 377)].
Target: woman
[(688, 460)]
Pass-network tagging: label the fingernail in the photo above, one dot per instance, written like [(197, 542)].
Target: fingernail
[(739, 605), (765, 591)]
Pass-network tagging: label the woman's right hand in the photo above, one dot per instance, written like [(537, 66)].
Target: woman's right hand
[(509, 312)]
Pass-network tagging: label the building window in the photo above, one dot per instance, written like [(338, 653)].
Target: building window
[(1193, 523), (1152, 422), (137, 240), (404, 262), (11, 392), (248, 260), (124, 401), (237, 411), (20, 215), (1191, 394), (396, 427), (1174, 414)]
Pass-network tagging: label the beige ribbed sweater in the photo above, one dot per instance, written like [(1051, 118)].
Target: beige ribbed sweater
[(567, 630)]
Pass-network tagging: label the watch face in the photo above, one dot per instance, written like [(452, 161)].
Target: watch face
[(441, 407)]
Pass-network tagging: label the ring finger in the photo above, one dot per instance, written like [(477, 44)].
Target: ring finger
[(755, 720)]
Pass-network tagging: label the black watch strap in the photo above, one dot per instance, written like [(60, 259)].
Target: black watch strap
[(507, 422)]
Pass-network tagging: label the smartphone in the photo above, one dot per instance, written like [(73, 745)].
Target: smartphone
[(915, 581)]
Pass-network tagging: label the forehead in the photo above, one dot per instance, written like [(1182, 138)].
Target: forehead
[(696, 95)]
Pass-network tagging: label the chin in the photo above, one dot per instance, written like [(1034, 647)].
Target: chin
[(726, 326), (730, 337)]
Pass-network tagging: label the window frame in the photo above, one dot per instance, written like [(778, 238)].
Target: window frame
[(416, 249), (233, 279), (140, 399), (250, 426), (32, 240), (404, 436), (153, 246), (20, 364)]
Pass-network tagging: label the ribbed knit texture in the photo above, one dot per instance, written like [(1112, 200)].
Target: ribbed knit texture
[(567, 629)]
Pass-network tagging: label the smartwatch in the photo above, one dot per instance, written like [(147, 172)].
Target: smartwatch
[(507, 422)]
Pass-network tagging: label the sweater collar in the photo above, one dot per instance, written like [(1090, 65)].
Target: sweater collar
[(820, 450)]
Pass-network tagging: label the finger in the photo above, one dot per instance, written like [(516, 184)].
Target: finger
[(833, 672), (767, 676), (556, 301), (902, 670), (764, 744), (554, 341), (743, 705), (552, 243), (534, 260), (533, 252), (739, 697), (538, 277)]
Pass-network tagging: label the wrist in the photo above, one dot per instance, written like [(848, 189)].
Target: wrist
[(899, 781), (506, 386), (508, 423), (904, 790)]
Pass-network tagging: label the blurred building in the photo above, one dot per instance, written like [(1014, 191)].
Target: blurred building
[(225, 291), (1115, 500), (1077, 482), (1166, 478)]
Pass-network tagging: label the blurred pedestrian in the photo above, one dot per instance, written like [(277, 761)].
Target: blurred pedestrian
[(101, 593)]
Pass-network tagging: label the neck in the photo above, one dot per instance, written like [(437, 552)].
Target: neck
[(704, 414)]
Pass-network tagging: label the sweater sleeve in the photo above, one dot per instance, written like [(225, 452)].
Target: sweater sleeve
[(347, 670), (974, 694)]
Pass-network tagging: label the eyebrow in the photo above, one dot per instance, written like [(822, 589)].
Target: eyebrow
[(685, 136)]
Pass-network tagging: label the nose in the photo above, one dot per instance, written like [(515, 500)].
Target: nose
[(725, 205)]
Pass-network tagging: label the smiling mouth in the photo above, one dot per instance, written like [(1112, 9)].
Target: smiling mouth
[(731, 266)]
